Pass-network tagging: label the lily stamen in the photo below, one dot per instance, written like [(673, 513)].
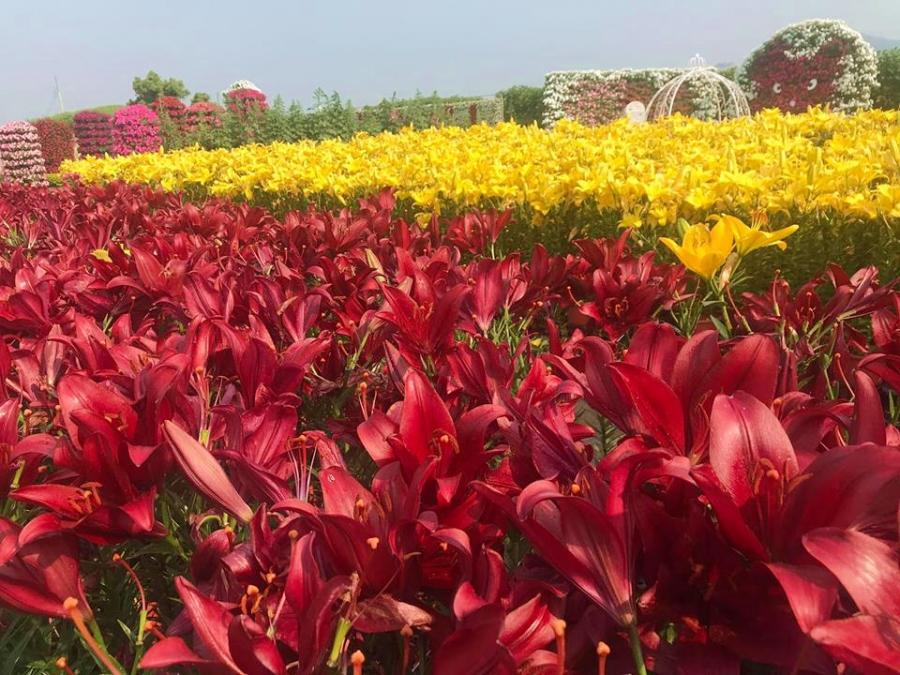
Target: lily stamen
[(70, 604), (406, 633), (357, 659), (603, 652), (63, 665), (559, 630)]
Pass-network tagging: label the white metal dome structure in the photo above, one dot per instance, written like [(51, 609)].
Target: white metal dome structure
[(715, 97)]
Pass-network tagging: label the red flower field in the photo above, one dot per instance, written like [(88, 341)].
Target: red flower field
[(341, 442)]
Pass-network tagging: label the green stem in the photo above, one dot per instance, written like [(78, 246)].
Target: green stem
[(95, 631), (340, 635), (94, 628), (636, 652)]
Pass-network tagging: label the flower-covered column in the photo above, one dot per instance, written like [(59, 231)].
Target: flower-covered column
[(135, 129), (93, 131), (20, 154)]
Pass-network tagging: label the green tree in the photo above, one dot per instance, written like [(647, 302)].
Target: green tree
[(151, 87), (200, 97), (275, 125), (887, 95)]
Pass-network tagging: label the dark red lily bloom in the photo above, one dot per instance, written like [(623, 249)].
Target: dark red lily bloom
[(99, 498), (19, 459), (491, 639), (763, 503), (672, 413), (424, 327), (624, 291), (488, 292), (421, 428), (204, 472), (588, 538), (39, 568), (868, 639), (476, 231)]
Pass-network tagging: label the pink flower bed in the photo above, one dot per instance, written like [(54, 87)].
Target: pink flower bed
[(135, 129), (21, 160)]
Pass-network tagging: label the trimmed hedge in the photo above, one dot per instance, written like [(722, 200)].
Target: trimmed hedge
[(523, 104), (887, 95)]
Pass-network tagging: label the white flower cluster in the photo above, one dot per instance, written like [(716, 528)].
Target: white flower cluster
[(240, 84), (561, 89), (857, 72)]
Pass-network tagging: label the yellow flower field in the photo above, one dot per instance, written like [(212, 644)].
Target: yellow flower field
[(652, 173)]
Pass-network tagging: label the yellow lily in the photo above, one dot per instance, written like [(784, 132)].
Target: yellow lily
[(749, 238), (703, 250)]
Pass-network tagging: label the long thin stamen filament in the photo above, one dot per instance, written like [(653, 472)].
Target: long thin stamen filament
[(406, 632), (71, 606)]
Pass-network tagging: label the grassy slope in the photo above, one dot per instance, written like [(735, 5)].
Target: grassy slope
[(67, 116)]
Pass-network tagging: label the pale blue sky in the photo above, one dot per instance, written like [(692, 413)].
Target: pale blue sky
[(366, 50)]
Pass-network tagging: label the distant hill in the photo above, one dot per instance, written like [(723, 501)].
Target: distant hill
[(67, 116), (880, 43)]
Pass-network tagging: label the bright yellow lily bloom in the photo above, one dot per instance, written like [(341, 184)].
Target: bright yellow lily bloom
[(749, 238), (703, 250)]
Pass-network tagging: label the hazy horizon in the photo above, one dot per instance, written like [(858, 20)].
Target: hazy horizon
[(367, 52)]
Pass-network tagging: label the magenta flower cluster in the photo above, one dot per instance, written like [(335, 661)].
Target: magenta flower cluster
[(135, 128), (93, 131), (21, 160)]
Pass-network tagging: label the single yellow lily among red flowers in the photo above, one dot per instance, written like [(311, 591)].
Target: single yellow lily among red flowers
[(749, 238), (703, 250)]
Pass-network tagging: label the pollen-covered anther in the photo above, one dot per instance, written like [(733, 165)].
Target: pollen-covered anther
[(251, 595), (373, 542), (559, 627), (360, 508), (576, 489)]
